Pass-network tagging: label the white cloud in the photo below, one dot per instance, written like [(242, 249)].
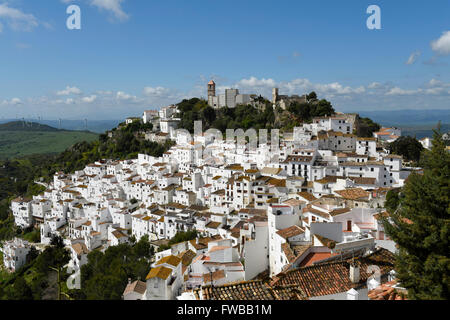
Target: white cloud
[(12, 102), (441, 46), (434, 82), (89, 99), (69, 90), (413, 57), (296, 86), (156, 92), (16, 101), (254, 82), (374, 85), (16, 19), (400, 91), (114, 6), (108, 104), (125, 97)]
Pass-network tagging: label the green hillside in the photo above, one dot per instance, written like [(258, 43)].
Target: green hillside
[(26, 126), (37, 139)]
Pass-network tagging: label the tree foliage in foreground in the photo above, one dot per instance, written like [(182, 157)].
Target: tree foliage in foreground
[(408, 147), (32, 280), (421, 227), (366, 127), (106, 275)]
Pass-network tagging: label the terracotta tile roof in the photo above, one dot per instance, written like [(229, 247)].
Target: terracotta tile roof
[(294, 202), (80, 248), (290, 232), (380, 215), (268, 170), (218, 248), (307, 196), (213, 225), (328, 179), (220, 192), (316, 212), (172, 260), (288, 252), (136, 286), (118, 234), (314, 258), (353, 193), (362, 180), (277, 182), (287, 293), (326, 242), (186, 257), (159, 272), (339, 211), (387, 291), (198, 246), (234, 167), (333, 278), (217, 275), (250, 290)]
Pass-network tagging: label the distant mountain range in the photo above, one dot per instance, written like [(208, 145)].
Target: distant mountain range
[(97, 126), (415, 123), (19, 138), (408, 117), (26, 126)]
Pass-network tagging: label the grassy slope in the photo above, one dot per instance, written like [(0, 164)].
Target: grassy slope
[(15, 144)]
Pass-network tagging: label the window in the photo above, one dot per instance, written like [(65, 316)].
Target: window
[(349, 225)]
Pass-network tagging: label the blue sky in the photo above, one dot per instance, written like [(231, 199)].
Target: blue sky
[(133, 55)]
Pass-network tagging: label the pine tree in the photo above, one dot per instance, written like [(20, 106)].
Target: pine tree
[(421, 227)]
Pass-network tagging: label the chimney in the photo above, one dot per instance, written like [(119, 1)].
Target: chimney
[(129, 280), (354, 272), (352, 294)]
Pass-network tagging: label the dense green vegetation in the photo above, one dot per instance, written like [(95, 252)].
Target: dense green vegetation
[(33, 281), (392, 200), (181, 236), (106, 275), (247, 116), (304, 112), (420, 225), (408, 147), (16, 178), (27, 126), (366, 127), (16, 143)]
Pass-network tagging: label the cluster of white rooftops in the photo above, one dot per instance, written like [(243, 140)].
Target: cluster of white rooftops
[(318, 194)]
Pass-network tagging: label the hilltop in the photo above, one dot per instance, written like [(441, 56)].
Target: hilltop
[(19, 139), (26, 126)]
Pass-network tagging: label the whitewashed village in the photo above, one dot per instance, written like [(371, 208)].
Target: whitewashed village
[(305, 215)]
